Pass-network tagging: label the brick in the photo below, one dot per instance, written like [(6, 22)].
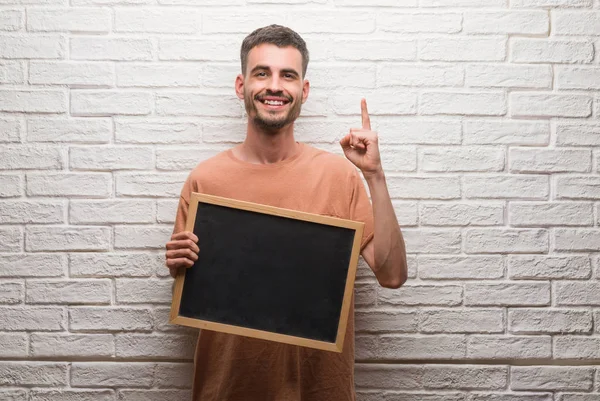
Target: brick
[(117, 49), (509, 347), (219, 75), (502, 132), (11, 72), (72, 345), (433, 241), (153, 185), (132, 291), (551, 51), (69, 291), (550, 214), (544, 321), (461, 214), (10, 185), (577, 134), (389, 376), (577, 347), (99, 103), (109, 374), (97, 20), (386, 320), (71, 395), (579, 397), (159, 75), (154, 395), (417, 131), (402, 187), (13, 346), (111, 158), (319, 22), (460, 159), (462, 321), (460, 267), (506, 187), (153, 346), (166, 210), (381, 104), (348, 75), (406, 213), (385, 3), (575, 22), (161, 131), (551, 378), (78, 130), (32, 47), (16, 157), (475, 48), (142, 237), (568, 77), (577, 187), (161, 316), (27, 212), (548, 267), (549, 105), (19, 373), (10, 129), (507, 294), (110, 319), (32, 265), (14, 395), (11, 20), (511, 396), (92, 185), (503, 22), (197, 104), (157, 20), (393, 347), (11, 239), (577, 240), (550, 3), (212, 50), (111, 211), (32, 318), (443, 295), (508, 76), (11, 292), (420, 75), (463, 103), (365, 293), (183, 159), (33, 101), (241, 23), (386, 50), (465, 377), (40, 238), (480, 240), (69, 73), (538, 160), (463, 3), (577, 293), (178, 375), (420, 22)]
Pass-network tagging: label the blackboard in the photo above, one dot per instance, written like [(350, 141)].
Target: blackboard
[(269, 273)]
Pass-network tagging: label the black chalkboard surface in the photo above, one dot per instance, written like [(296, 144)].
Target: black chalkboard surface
[(268, 273)]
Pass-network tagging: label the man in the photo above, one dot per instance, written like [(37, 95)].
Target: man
[(271, 168)]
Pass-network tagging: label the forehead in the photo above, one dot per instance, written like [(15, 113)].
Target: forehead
[(270, 55)]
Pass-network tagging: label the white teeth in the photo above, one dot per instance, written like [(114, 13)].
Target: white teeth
[(274, 102)]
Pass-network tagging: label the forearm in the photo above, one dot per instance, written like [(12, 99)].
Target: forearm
[(389, 251)]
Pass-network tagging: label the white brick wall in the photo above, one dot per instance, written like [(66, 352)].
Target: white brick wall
[(488, 113)]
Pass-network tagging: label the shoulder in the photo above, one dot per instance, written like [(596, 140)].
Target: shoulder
[(208, 167), (331, 161)]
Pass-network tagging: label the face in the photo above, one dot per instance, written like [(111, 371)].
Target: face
[(272, 88)]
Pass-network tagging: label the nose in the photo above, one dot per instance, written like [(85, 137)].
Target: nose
[(274, 84)]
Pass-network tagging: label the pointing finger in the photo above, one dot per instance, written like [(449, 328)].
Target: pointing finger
[(366, 120)]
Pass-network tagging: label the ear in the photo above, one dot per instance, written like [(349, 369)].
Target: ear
[(305, 90), (239, 86)]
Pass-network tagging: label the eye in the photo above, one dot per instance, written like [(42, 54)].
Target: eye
[(261, 74), (289, 76)]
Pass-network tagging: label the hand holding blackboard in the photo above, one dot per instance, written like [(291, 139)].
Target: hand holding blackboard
[(182, 251)]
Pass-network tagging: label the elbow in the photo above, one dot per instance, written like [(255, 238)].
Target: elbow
[(394, 283)]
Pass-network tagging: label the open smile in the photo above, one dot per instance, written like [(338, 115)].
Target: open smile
[(273, 102)]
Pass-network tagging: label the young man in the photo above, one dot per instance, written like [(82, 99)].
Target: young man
[(271, 168)]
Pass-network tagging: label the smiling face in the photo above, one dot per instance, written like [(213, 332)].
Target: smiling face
[(273, 88)]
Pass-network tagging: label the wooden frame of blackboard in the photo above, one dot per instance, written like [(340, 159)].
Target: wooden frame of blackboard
[(337, 344)]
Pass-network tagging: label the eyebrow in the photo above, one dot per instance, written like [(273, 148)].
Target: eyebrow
[(266, 67)]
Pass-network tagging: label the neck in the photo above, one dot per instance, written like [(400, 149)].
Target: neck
[(261, 147)]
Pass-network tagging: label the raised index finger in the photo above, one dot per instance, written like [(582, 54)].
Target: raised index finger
[(366, 121)]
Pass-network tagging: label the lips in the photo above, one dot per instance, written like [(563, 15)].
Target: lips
[(273, 101)]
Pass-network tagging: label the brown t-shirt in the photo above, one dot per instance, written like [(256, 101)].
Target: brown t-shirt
[(230, 367)]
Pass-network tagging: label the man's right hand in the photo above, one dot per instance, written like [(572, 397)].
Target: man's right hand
[(182, 251)]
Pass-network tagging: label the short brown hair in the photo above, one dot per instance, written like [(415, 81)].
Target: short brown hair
[(277, 35)]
